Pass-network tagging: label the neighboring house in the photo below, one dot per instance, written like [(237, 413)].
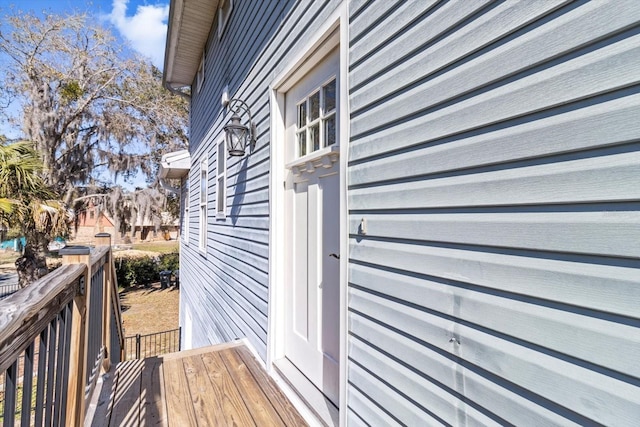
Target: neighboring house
[(90, 222), (440, 220), (145, 229)]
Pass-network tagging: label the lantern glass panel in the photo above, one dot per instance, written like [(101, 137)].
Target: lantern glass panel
[(236, 139)]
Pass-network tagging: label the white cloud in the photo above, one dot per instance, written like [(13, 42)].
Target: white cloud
[(146, 30)]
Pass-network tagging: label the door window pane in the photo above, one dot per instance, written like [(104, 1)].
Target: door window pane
[(302, 115), (330, 131), (302, 143), (314, 136), (314, 106), (329, 93)]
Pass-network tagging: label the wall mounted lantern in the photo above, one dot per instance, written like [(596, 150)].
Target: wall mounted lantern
[(237, 135)]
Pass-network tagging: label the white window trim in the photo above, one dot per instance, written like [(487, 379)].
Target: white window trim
[(185, 218), (224, 12), (221, 180), (202, 205), (322, 118), (200, 74)]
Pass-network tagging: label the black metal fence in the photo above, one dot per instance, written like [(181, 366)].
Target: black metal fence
[(149, 345), (8, 290)]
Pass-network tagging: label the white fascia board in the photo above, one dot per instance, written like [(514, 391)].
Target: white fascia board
[(175, 165)]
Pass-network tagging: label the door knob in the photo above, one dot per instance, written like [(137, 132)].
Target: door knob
[(336, 256)]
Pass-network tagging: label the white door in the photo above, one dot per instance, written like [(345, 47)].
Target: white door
[(313, 220)]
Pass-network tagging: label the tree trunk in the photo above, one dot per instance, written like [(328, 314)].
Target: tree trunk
[(32, 265)]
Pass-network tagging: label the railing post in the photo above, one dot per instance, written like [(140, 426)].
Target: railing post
[(104, 239), (137, 346), (79, 336)]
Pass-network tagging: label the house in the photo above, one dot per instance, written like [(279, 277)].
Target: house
[(91, 221), (438, 222)]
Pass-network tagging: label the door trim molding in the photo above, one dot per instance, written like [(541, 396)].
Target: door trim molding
[(317, 403), (333, 33)]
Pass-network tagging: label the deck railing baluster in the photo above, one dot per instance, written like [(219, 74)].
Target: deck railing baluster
[(73, 316), (53, 345), (60, 358), (27, 385), (10, 391), (43, 351)]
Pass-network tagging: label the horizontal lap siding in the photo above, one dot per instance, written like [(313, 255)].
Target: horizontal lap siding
[(226, 289), (494, 158)]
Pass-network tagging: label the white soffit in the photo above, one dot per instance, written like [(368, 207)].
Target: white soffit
[(175, 165), (189, 26)]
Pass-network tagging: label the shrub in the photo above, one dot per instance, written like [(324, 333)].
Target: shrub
[(170, 261), (137, 271), (143, 270)]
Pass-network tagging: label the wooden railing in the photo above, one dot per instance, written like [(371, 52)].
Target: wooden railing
[(56, 336)]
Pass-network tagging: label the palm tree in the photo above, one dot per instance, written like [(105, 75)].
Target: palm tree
[(29, 205)]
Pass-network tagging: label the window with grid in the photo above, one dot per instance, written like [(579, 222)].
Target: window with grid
[(203, 204), (185, 217), (316, 121), (221, 181)]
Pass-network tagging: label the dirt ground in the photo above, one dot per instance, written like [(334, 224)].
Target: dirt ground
[(7, 261), (149, 310)]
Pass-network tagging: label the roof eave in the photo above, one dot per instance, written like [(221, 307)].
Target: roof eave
[(175, 165), (189, 25)]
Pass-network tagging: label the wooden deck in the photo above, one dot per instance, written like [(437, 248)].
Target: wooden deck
[(212, 386)]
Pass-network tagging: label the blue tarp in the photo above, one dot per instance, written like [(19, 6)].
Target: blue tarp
[(18, 243), (15, 244)]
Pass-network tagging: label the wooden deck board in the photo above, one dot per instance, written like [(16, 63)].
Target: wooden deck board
[(153, 410), (282, 405), (180, 411), (235, 412), (258, 404), (126, 402), (215, 386), (205, 394)]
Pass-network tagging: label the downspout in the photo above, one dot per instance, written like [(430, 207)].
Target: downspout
[(177, 92), (168, 187)]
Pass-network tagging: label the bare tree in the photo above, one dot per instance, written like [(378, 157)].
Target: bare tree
[(143, 206), (88, 103)]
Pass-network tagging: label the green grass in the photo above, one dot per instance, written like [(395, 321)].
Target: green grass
[(19, 392), (163, 247)]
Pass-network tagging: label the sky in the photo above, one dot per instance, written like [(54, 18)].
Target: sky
[(142, 22)]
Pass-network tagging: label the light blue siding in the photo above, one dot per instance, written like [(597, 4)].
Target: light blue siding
[(494, 155), (226, 287), (494, 158)]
